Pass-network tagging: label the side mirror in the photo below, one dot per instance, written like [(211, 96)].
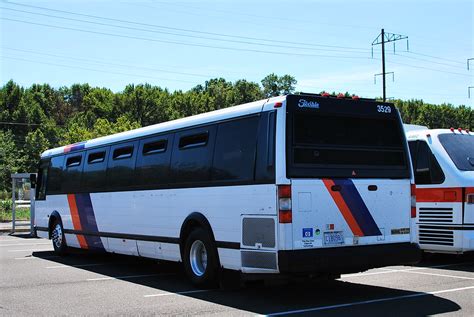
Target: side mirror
[(33, 180)]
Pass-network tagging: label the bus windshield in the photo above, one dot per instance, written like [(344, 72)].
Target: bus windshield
[(334, 142), (460, 149)]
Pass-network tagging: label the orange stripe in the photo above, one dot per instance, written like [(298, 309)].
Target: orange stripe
[(343, 208), (76, 221), (432, 195)]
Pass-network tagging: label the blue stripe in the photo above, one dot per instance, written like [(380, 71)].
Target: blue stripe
[(358, 207), (88, 222)]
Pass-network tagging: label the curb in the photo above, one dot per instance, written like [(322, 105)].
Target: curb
[(9, 230)]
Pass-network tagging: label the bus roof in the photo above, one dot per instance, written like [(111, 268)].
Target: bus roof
[(217, 115)]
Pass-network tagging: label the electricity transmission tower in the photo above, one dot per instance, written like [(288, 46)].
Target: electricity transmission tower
[(381, 39)]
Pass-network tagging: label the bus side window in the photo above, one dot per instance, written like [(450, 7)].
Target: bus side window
[(265, 163), (234, 154), (427, 169), (55, 175), (153, 162), (95, 169), (192, 156), (72, 173), (121, 166), (42, 180)]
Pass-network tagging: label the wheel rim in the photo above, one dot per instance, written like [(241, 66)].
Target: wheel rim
[(198, 258), (57, 236)]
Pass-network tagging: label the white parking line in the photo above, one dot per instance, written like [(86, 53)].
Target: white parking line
[(386, 271), (77, 265), (314, 309), (31, 250), (122, 277), (179, 293), (29, 257), (22, 244), (440, 275)]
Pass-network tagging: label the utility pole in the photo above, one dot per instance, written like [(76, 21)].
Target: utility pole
[(381, 39)]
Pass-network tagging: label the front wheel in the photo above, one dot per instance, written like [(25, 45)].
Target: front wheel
[(57, 237), (200, 259)]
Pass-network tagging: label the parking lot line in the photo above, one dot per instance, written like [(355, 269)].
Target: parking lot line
[(440, 275), (386, 271), (420, 294), (79, 265), (29, 257), (22, 244), (179, 293), (30, 250), (123, 277)]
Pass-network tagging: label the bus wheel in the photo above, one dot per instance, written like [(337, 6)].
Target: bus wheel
[(200, 259), (57, 237)]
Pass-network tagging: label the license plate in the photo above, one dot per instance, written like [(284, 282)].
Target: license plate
[(332, 238)]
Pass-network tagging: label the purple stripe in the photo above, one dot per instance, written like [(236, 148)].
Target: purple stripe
[(358, 207), (88, 222)]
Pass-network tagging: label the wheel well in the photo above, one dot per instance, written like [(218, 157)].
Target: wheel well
[(194, 220), (52, 219)]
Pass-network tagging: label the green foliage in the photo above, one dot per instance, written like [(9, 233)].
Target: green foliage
[(52, 117)]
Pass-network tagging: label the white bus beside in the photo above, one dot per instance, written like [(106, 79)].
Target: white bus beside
[(443, 162), (300, 184)]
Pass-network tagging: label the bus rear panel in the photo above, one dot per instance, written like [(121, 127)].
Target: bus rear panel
[(349, 171)]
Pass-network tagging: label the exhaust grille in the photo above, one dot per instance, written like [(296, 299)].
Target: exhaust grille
[(438, 215), (436, 236)]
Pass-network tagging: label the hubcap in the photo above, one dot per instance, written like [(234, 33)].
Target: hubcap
[(57, 236), (198, 258)]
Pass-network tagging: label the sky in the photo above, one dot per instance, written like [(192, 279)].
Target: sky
[(325, 45)]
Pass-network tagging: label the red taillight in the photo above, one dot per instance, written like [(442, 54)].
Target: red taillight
[(325, 94), (413, 201), (340, 96), (277, 105), (284, 204)]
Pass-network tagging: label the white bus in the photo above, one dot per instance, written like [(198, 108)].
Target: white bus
[(443, 161), (300, 184)]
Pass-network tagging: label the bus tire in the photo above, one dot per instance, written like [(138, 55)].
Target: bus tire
[(57, 237), (200, 259)]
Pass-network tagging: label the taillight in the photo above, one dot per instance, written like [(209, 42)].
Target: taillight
[(470, 198), (413, 201), (284, 204)]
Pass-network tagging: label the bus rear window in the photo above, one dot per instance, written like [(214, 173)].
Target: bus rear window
[(460, 149), (341, 145)]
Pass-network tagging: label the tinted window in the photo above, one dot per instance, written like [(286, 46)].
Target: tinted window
[(121, 165), (426, 167), (460, 149), (42, 180), (234, 154), (192, 155), (265, 167), (95, 171), (54, 177), (72, 173), (153, 162)]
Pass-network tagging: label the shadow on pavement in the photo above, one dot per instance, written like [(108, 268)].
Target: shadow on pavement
[(261, 298)]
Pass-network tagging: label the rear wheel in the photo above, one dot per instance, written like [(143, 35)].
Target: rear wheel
[(200, 259), (57, 237)]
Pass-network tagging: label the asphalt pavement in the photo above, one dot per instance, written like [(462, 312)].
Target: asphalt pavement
[(34, 281)]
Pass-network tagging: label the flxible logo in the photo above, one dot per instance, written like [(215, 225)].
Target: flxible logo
[(303, 103)]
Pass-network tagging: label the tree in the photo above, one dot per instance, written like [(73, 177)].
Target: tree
[(274, 85)]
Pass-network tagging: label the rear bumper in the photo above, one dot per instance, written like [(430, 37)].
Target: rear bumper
[(347, 259)]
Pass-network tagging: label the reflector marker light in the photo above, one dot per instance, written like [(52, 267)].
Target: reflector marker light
[(452, 129), (460, 130), (277, 105)]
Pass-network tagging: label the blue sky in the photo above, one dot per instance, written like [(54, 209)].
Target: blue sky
[(326, 45)]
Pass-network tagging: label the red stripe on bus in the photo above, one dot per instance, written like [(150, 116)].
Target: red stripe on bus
[(433, 195), (469, 190), (76, 221), (343, 208)]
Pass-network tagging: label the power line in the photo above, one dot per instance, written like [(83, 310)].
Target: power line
[(185, 44), (96, 70), (186, 30)]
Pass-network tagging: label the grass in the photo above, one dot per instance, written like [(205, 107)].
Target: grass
[(21, 214)]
